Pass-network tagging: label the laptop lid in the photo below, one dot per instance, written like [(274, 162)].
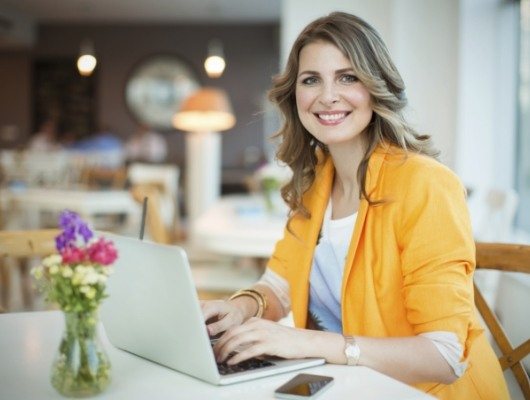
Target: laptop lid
[(153, 310)]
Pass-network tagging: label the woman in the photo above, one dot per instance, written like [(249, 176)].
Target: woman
[(378, 255)]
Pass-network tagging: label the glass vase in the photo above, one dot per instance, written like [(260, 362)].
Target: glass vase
[(81, 368)]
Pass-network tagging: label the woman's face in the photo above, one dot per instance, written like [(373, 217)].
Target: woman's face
[(333, 105)]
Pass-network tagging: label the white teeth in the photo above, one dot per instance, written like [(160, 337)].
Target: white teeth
[(331, 117)]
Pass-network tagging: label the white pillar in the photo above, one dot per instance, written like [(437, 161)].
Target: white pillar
[(203, 172)]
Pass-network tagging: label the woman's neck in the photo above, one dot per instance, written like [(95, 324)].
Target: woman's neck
[(346, 158), (345, 192)]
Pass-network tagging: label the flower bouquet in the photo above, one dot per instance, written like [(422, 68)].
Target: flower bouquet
[(75, 279)]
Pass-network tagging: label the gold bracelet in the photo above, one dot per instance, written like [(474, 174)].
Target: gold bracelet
[(260, 298)]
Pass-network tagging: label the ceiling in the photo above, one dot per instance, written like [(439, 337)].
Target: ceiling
[(145, 11)]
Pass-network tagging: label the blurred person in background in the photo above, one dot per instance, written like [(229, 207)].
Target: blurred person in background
[(46, 138), (146, 145)]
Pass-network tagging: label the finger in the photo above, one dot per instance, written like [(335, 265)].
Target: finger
[(232, 319), (222, 325), (252, 351), (237, 328), (235, 344), (229, 333), (213, 309)]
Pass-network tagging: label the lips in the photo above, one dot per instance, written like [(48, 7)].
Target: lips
[(332, 118)]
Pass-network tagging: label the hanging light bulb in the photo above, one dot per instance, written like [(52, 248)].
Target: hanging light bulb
[(87, 59), (215, 62)]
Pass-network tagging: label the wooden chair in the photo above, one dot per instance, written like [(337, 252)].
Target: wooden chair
[(104, 178), (23, 245), (165, 178), (507, 258)]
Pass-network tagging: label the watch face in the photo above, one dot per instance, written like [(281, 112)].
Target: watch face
[(157, 87), (352, 351)]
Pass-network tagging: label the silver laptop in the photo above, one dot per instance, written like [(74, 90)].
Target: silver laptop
[(153, 311)]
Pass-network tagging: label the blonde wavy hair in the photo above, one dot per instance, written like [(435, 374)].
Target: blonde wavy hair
[(372, 65)]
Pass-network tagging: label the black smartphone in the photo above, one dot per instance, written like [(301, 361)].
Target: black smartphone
[(303, 386)]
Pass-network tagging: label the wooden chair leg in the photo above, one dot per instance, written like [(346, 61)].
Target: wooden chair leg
[(5, 280), (25, 283)]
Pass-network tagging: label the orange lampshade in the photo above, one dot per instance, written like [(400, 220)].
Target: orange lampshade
[(206, 110)]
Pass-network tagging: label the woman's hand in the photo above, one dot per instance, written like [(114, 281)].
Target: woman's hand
[(227, 314), (257, 337)]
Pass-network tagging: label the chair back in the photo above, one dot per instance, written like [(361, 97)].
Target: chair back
[(33, 243), (166, 178), (506, 258), (104, 178), (23, 245)]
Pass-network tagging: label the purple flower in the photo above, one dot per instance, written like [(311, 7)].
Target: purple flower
[(67, 219), (85, 232), (73, 226)]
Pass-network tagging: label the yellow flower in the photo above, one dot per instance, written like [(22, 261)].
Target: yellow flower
[(90, 278), (77, 279), (54, 269), (67, 272), (54, 259), (37, 272), (90, 293)]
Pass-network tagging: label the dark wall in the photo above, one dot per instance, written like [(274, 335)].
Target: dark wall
[(15, 97), (251, 53)]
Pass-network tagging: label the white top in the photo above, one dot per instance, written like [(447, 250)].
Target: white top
[(325, 284), (327, 271)]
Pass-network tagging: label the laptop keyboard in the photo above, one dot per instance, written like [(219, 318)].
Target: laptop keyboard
[(253, 363)]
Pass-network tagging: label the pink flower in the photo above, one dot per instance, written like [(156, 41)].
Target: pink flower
[(73, 255), (102, 251)]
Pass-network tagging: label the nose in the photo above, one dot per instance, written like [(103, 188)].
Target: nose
[(329, 94)]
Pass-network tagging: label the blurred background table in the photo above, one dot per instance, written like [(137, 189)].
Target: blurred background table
[(25, 206), (240, 225)]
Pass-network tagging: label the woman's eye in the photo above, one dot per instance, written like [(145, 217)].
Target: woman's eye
[(348, 78), (311, 80)]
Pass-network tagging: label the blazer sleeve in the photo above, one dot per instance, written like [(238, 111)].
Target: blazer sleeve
[(278, 261), (438, 255)]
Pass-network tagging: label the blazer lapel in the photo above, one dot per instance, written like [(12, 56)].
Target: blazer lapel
[(374, 169), (307, 230)]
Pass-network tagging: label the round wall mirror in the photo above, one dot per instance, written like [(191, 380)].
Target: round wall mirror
[(156, 87)]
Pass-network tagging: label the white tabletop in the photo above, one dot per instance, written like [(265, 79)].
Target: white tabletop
[(28, 343), (86, 203), (240, 225)]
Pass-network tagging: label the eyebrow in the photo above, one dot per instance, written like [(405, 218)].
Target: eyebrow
[(339, 71)]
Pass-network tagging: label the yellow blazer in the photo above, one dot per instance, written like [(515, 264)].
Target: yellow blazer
[(409, 267)]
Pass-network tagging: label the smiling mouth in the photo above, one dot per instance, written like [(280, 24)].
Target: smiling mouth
[(332, 117)]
